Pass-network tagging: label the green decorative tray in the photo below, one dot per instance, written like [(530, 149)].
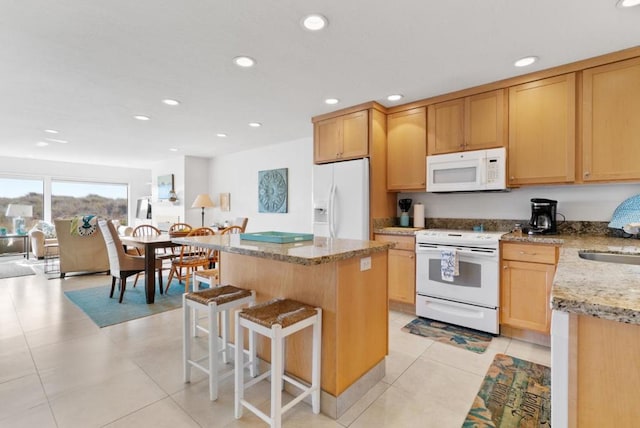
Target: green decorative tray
[(277, 237)]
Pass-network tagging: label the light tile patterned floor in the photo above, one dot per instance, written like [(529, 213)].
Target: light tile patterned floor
[(57, 369)]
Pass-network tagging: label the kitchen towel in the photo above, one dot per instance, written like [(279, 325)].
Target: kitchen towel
[(418, 215), (449, 267)]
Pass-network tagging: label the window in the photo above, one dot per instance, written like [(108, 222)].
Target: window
[(72, 198), (21, 191)]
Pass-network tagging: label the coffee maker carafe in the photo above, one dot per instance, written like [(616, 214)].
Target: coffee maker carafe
[(543, 216)]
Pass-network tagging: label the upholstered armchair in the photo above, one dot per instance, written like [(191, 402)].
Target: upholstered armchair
[(43, 233), (80, 253)]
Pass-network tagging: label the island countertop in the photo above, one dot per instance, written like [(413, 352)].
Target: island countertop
[(584, 287), (317, 251)]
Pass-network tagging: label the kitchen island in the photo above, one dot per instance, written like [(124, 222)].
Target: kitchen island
[(595, 333), (346, 278)]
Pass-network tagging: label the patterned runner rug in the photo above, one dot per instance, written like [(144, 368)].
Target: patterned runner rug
[(462, 337), (514, 394)]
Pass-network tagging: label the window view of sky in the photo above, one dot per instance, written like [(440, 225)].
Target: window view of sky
[(15, 188)]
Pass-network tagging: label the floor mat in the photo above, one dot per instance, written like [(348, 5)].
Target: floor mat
[(13, 269), (462, 337), (105, 311), (515, 393)]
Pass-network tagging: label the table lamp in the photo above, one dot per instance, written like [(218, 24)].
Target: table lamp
[(202, 201), (18, 212)]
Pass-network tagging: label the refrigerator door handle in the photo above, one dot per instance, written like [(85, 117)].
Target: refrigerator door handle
[(332, 212)]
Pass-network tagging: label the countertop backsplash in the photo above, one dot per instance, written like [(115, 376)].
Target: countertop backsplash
[(598, 228)]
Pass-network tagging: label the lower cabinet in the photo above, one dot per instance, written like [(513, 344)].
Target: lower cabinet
[(401, 268), (525, 285)]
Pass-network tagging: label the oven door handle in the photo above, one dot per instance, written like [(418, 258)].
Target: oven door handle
[(465, 251)]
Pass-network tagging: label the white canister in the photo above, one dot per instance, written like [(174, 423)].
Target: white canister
[(418, 215)]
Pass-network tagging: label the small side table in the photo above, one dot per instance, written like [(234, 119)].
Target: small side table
[(25, 240), (51, 258)]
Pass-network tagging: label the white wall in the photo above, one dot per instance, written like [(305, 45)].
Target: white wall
[(137, 179), (237, 174), (593, 202)]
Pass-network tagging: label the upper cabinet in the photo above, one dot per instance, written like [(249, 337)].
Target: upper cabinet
[(542, 131), (470, 123), (407, 150), (611, 122), (341, 137)]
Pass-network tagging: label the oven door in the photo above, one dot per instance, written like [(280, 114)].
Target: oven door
[(477, 283)]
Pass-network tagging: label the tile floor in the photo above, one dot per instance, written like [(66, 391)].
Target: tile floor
[(57, 369)]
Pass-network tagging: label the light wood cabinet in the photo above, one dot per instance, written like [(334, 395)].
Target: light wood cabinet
[(407, 150), (525, 285), (401, 273), (341, 137), (542, 136), (610, 124), (470, 123)]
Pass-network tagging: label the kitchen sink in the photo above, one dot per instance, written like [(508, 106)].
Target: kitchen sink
[(629, 259)]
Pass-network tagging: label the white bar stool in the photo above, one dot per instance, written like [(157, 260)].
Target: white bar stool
[(218, 300), (276, 320), (211, 277)]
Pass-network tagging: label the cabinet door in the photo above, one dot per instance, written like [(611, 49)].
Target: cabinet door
[(525, 291), (402, 276), (407, 150), (355, 135), (610, 124), (542, 131), (485, 120), (326, 141), (446, 127)]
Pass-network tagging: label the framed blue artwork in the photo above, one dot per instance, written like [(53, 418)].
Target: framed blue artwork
[(165, 186), (273, 190)]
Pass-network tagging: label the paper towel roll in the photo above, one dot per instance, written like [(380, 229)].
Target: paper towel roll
[(418, 215)]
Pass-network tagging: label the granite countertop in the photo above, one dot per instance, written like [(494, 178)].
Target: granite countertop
[(585, 287), (398, 230), (319, 250)]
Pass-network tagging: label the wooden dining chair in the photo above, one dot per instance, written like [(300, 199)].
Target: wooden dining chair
[(191, 257), (121, 264), (180, 227), (242, 222), (148, 230), (215, 255)]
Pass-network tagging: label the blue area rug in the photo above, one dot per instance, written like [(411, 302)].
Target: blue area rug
[(95, 302)]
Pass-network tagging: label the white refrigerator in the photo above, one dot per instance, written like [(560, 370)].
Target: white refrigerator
[(341, 199)]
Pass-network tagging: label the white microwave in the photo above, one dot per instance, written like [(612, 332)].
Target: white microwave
[(467, 171)]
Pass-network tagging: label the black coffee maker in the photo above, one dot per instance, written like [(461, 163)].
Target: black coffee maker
[(543, 216)]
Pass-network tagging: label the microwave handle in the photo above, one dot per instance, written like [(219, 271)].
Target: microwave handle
[(484, 165)]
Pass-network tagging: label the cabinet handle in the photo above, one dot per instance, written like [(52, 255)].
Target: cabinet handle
[(411, 256), (587, 174), (505, 267), (512, 178)]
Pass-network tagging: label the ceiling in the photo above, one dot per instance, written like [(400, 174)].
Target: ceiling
[(86, 67)]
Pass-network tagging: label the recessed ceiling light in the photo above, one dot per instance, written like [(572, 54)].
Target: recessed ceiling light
[(51, 131), (42, 144), (314, 22), (244, 61), (221, 135), (141, 117), (55, 140), (331, 101), (255, 124), (628, 3), (395, 97), (173, 149), (527, 60), (171, 102)]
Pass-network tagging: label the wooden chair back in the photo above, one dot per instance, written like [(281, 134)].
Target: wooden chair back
[(180, 227), (146, 230), (242, 222), (232, 229)]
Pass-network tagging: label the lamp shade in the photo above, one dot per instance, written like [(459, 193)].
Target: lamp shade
[(16, 210), (202, 201)]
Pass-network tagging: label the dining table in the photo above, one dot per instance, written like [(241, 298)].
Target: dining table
[(150, 244)]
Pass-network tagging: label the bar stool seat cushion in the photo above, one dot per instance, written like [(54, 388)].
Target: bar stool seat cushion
[(285, 312), (219, 295)]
